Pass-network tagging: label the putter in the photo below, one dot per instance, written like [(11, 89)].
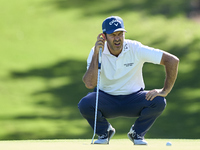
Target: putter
[(97, 93)]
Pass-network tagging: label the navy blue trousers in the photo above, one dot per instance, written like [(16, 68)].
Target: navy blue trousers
[(111, 106)]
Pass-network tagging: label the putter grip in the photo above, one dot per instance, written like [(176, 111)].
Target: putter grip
[(100, 54)]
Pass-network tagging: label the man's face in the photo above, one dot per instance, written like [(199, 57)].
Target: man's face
[(115, 41)]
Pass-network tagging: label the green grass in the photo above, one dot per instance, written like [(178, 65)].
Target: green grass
[(44, 47), (153, 144)]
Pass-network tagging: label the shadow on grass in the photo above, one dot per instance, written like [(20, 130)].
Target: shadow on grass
[(168, 8), (63, 99), (66, 95), (179, 120)]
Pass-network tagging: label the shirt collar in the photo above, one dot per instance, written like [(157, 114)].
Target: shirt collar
[(125, 48)]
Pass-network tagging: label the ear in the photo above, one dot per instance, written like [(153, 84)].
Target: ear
[(104, 36)]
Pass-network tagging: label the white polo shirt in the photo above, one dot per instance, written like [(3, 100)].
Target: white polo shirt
[(122, 75)]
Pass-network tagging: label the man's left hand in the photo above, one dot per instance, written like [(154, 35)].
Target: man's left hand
[(156, 92)]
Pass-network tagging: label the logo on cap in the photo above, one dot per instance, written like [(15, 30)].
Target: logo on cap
[(113, 24)]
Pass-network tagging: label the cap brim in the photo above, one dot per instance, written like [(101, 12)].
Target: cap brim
[(115, 30)]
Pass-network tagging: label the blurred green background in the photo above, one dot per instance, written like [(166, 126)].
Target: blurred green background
[(44, 47)]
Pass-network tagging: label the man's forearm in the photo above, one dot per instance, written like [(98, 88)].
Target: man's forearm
[(171, 68), (90, 77)]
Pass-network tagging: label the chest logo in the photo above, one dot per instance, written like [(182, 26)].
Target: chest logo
[(125, 47), (128, 64)]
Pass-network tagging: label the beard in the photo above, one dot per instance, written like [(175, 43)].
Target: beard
[(115, 45)]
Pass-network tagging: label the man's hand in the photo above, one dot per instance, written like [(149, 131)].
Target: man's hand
[(156, 92), (100, 42)]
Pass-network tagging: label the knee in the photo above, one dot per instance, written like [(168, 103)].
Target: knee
[(159, 103), (85, 106)]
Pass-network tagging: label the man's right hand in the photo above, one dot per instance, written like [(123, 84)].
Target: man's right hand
[(99, 43)]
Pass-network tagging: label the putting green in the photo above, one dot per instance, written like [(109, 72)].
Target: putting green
[(115, 144)]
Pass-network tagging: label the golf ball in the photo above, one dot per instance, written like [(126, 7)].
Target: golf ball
[(168, 144)]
